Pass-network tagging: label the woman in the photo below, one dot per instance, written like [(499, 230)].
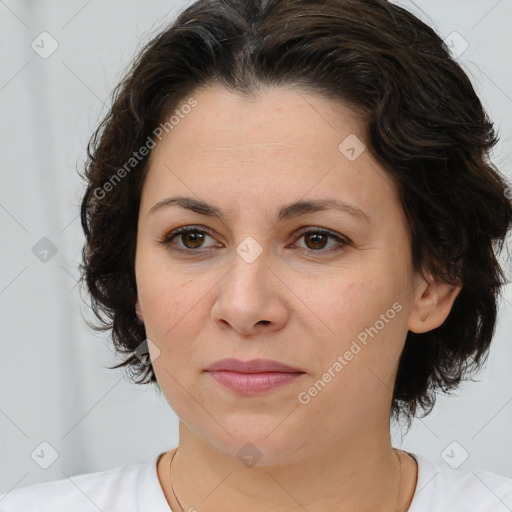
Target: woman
[(290, 207)]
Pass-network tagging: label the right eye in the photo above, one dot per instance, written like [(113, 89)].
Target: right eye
[(191, 237)]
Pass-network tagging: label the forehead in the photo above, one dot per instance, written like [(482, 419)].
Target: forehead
[(284, 143), (279, 116)]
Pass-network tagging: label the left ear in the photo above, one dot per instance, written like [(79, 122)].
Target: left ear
[(138, 311), (433, 302)]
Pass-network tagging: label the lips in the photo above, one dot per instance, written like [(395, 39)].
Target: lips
[(252, 366), (252, 377)]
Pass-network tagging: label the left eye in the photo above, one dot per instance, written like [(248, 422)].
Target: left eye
[(193, 238), (317, 238)]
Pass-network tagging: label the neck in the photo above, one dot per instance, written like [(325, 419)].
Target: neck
[(363, 475)]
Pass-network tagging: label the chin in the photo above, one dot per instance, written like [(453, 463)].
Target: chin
[(255, 447)]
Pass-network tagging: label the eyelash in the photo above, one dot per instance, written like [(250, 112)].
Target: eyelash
[(166, 240)]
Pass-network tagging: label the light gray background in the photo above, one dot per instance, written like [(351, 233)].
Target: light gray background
[(54, 384)]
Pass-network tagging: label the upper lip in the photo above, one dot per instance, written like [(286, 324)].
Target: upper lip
[(251, 366)]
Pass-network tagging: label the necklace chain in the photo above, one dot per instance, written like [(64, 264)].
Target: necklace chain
[(172, 487), (183, 510)]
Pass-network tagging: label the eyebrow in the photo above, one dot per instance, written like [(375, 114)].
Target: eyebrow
[(286, 212)]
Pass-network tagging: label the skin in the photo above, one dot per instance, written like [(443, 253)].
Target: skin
[(297, 303)]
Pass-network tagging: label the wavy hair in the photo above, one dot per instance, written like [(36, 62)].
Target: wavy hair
[(422, 121)]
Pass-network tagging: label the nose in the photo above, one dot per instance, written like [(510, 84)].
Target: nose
[(251, 298)]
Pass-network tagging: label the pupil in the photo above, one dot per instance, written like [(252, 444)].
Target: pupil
[(195, 243), (318, 237)]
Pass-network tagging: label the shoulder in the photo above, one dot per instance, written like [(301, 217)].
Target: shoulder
[(112, 490), (441, 487)]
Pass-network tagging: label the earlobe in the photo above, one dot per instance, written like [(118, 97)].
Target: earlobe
[(432, 305), (138, 311)]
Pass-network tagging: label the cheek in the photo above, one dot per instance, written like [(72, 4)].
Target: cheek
[(171, 306), (364, 315), (167, 298), (348, 303), (164, 290)]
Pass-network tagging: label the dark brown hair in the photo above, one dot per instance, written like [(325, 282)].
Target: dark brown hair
[(422, 121)]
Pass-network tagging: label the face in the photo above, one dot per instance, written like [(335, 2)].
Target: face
[(326, 291)]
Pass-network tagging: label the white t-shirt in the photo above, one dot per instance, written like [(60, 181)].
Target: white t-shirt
[(136, 488)]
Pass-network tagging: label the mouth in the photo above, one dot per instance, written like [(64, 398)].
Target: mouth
[(253, 377), (252, 366)]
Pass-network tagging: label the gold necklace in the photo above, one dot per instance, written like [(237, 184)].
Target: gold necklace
[(183, 510), (172, 487)]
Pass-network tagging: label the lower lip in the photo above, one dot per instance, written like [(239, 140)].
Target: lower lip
[(253, 383)]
